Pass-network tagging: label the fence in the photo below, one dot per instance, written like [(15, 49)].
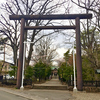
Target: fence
[(91, 83), (13, 81), (1, 78), (86, 83)]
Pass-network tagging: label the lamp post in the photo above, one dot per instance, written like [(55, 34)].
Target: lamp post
[(75, 88), (22, 87), (23, 68)]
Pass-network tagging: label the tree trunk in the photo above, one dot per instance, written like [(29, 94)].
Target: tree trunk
[(15, 55), (30, 50)]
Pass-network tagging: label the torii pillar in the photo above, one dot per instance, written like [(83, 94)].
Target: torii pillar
[(20, 60), (78, 56)]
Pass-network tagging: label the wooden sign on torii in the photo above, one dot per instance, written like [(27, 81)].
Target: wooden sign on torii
[(77, 18)]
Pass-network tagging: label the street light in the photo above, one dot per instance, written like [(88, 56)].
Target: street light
[(22, 87), (75, 88), (23, 68), (23, 65)]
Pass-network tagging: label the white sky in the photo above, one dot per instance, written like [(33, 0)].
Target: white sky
[(61, 52)]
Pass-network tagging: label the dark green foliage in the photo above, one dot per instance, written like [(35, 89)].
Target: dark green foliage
[(13, 71), (65, 72), (66, 55), (29, 72), (88, 73), (48, 71), (41, 70), (87, 70)]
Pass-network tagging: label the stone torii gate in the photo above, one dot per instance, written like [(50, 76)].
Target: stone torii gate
[(77, 18)]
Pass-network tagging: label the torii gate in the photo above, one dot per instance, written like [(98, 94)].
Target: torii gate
[(77, 18)]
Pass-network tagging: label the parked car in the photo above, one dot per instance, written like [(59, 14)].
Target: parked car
[(8, 77)]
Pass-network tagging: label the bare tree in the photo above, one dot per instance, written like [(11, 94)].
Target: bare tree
[(91, 29), (45, 51), (92, 6), (27, 7), (10, 30)]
